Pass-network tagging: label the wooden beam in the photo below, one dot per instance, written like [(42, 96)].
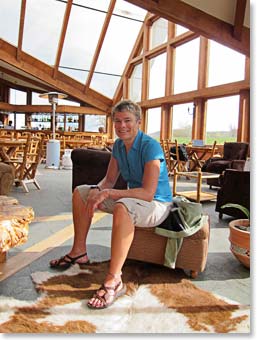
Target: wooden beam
[(21, 28), (198, 21), (203, 64), (224, 90), (239, 19), (48, 109), (38, 84), (62, 37), (44, 72), (100, 43)]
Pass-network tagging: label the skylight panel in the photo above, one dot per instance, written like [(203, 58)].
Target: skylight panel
[(81, 39), (42, 29), (9, 20)]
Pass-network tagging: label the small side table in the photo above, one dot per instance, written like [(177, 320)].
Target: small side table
[(198, 195)]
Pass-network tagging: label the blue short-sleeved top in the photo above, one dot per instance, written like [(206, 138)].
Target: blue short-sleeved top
[(131, 164)]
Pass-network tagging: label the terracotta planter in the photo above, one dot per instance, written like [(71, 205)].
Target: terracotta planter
[(240, 240)]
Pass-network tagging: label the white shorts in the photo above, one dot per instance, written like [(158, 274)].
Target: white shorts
[(142, 213)]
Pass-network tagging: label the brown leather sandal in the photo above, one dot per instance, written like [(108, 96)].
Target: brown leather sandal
[(110, 292), (66, 261)]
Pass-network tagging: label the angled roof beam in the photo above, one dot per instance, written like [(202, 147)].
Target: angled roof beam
[(26, 79), (198, 21), (62, 37), (21, 28), (100, 43), (43, 72), (239, 19)]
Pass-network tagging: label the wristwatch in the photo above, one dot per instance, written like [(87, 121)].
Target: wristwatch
[(95, 187)]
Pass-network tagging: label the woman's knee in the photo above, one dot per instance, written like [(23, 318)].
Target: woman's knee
[(120, 209)]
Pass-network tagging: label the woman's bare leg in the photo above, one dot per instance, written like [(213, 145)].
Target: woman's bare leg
[(122, 237), (81, 224)]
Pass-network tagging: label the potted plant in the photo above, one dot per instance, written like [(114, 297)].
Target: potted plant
[(239, 235)]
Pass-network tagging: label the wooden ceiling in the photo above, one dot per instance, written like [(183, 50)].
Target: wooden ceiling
[(226, 22)]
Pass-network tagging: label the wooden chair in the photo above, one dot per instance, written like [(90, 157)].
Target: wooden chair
[(176, 162), (26, 167)]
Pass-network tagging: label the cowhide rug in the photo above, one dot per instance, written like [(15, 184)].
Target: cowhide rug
[(158, 300)]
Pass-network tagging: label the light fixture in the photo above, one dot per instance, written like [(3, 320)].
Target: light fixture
[(53, 145), (53, 99)]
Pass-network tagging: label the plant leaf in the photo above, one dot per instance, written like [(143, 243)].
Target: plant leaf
[(237, 206)]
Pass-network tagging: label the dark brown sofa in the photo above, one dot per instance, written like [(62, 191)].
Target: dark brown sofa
[(234, 157), (90, 166), (235, 188)]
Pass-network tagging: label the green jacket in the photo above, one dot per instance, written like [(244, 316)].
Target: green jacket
[(185, 219)]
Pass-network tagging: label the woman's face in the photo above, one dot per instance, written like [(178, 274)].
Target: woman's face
[(126, 125)]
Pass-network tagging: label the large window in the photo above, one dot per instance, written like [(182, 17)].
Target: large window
[(135, 84), (182, 122), (226, 65), (17, 98), (159, 32), (186, 67), (157, 76), (93, 122), (154, 122), (222, 119)]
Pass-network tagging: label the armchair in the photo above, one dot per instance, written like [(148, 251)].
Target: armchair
[(234, 157), (235, 188)]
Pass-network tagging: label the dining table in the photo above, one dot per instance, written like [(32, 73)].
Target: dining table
[(199, 154), (8, 147)]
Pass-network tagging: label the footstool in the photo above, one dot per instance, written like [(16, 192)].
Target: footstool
[(147, 246)]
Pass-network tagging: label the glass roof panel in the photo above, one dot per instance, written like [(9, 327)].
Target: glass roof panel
[(101, 5), (9, 20), (42, 28), (128, 10), (116, 48), (105, 84), (77, 74), (81, 40)]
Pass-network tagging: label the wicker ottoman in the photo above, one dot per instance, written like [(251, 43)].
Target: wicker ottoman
[(150, 247)]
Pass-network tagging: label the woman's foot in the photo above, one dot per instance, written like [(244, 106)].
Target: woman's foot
[(67, 260), (108, 292)]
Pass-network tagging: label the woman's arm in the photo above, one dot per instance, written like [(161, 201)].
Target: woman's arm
[(111, 176)]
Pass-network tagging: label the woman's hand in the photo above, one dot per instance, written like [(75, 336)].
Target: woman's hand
[(95, 197)]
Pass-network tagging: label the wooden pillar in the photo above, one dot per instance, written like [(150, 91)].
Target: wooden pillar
[(110, 127), (199, 119), (145, 66), (165, 132), (125, 87), (243, 132)]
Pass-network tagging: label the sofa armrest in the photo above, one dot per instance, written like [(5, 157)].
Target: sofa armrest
[(238, 164), (90, 166)]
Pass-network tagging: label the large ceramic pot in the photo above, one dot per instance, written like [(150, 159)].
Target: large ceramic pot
[(239, 237)]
